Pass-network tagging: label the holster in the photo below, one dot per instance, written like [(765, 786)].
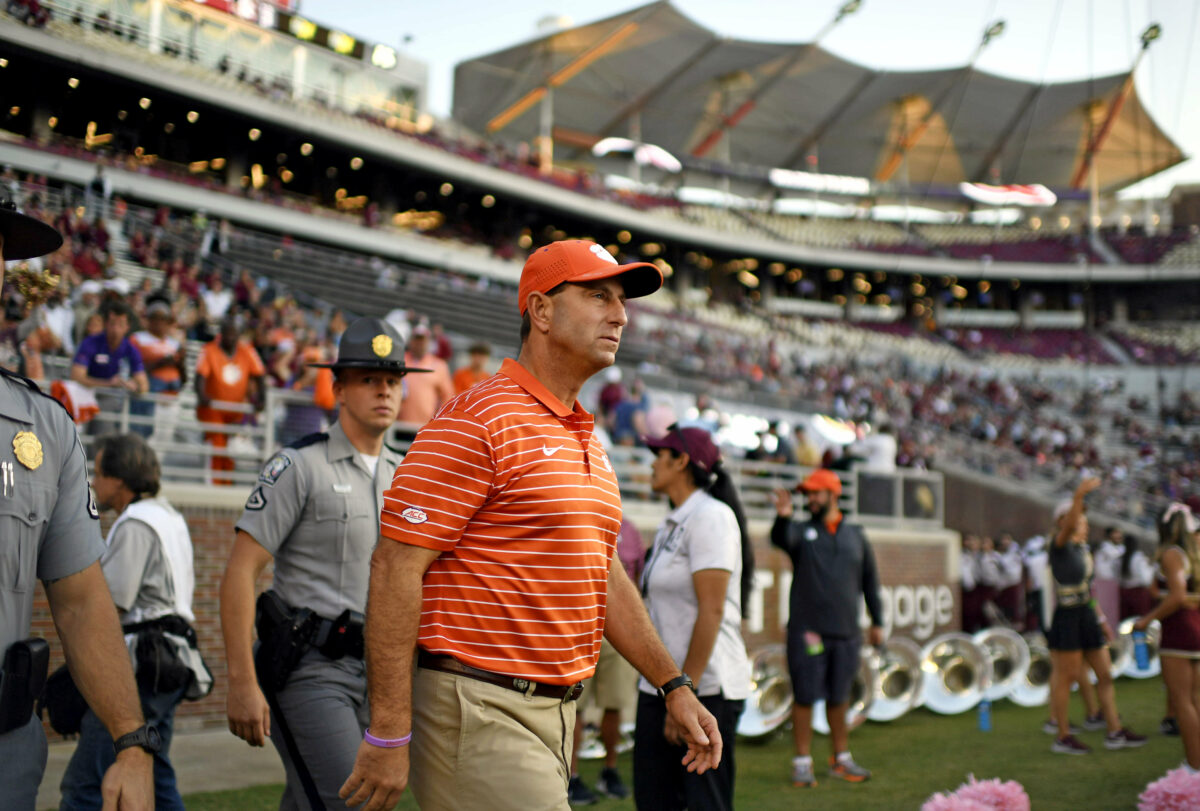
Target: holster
[(344, 636), (284, 635), (26, 664)]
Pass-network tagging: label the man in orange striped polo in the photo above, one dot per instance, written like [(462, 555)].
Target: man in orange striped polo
[(497, 565)]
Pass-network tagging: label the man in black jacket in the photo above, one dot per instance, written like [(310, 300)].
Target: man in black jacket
[(833, 566)]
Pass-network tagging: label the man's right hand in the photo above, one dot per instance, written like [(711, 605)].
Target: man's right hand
[(783, 503), (379, 778), (249, 715), (128, 784)]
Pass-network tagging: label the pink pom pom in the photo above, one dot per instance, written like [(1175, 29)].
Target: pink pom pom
[(952, 802), (981, 795), (1178, 790), (1008, 795)]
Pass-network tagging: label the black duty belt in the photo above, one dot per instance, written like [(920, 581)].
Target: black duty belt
[(448, 664)]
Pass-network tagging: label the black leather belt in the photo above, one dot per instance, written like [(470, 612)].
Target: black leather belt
[(448, 664)]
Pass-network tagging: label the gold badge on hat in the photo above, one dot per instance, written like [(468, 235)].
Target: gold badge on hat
[(381, 345), (28, 449)]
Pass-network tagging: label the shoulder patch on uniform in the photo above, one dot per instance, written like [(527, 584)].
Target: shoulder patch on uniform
[(274, 469), (257, 500), (311, 439), (414, 516)]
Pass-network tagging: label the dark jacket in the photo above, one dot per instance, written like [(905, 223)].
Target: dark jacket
[(830, 573)]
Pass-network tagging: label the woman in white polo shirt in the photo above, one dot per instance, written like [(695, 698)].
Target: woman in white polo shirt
[(695, 583)]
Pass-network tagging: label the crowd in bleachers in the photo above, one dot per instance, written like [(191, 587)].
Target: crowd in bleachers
[(1025, 421)]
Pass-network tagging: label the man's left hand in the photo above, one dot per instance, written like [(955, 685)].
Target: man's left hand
[(875, 636), (697, 727), (129, 783)]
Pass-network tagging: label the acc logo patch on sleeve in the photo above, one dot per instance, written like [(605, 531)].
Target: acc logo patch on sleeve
[(274, 469), (414, 516), (257, 500)]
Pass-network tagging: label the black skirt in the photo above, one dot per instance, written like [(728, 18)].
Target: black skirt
[(1075, 628)]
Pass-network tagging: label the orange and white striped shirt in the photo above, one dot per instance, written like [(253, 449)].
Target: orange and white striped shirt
[(513, 488)]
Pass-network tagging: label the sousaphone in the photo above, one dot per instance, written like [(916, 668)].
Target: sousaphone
[(1009, 654), (770, 701), (1034, 689), (957, 673), (898, 679), (862, 695)]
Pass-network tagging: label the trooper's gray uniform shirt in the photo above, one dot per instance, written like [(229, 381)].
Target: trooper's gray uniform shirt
[(49, 529), (316, 509)]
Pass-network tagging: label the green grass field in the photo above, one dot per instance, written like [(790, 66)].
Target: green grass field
[(915, 756)]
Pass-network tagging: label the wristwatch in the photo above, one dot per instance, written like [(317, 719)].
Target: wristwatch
[(144, 736), (681, 680)]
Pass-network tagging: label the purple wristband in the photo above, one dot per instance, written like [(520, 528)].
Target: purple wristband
[(385, 743)]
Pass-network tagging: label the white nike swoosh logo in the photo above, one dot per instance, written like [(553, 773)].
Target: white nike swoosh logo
[(551, 451)]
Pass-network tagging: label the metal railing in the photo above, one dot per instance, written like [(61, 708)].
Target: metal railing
[(904, 498)]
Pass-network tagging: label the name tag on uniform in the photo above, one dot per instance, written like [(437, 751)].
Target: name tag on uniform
[(341, 488)]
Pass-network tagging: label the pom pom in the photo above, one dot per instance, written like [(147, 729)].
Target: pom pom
[(1178, 790), (952, 802), (981, 795), (1008, 795)]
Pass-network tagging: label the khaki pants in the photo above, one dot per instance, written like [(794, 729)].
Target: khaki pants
[(479, 746)]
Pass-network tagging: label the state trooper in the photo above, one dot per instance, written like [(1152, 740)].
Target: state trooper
[(49, 530), (315, 511)]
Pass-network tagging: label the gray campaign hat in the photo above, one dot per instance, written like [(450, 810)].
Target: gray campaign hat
[(25, 237), (370, 343)]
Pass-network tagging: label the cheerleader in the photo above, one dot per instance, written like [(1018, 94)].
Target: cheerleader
[(1077, 631), (1179, 647)]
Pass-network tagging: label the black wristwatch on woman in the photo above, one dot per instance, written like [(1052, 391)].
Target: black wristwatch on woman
[(681, 680), (144, 736)]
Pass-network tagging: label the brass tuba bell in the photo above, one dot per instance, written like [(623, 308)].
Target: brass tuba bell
[(897, 681), (957, 672), (770, 701), (1009, 655)]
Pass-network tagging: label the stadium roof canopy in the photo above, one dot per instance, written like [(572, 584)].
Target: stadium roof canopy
[(781, 102)]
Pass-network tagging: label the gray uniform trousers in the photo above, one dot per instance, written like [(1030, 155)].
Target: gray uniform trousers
[(325, 704), (23, 755)]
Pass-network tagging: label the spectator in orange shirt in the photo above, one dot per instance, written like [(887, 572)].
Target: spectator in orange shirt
[(229, 371), (425, 393), (476, 369)]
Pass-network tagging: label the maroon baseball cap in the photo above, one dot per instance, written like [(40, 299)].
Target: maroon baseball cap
[(581, 260), (695, 442)]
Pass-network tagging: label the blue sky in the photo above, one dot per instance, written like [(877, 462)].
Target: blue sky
[(1043, 39)]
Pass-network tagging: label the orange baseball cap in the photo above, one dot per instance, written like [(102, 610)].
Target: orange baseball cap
[(581, 260), (822, 479)]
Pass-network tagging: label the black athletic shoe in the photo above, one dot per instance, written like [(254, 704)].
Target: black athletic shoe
[(579, 794)]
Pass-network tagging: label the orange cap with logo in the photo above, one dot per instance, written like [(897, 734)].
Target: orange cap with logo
[(581, 260)]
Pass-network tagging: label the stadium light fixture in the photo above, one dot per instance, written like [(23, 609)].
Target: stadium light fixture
[(847, 9), (193, 116), (1150, 34), (3, 63), (144, 103), (255, 133), (306, 149), (72, 83)]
